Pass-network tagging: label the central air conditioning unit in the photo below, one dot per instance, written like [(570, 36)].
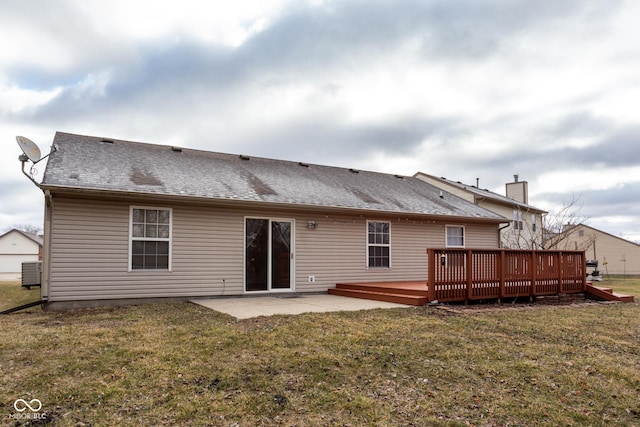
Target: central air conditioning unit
[(31, 274)]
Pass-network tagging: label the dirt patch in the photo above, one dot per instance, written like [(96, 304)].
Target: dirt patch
[(494, 306)]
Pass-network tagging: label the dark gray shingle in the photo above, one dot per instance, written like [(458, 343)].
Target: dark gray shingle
[(93, 163)]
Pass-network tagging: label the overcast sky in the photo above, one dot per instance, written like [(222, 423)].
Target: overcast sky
[(549, 90)]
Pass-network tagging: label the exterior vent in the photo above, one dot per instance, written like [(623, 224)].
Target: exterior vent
[(107, 141), (243, 157), (177, 149), (304, 165), (399, 176), (354, 171)]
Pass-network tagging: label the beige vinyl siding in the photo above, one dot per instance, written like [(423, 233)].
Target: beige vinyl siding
[(603, 246), (449, 188), (90, 250), (90, 253), (336, 251), (478, 236)]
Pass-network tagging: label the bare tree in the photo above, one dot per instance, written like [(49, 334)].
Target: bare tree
[(28, 228), (532, 231), (558, 223), (524, 232)]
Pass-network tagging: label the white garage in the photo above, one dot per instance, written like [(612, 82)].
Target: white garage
[(17, 247)]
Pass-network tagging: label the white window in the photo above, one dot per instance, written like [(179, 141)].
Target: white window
[(455, 236), (517, 220), (378, 244), (150, 239)]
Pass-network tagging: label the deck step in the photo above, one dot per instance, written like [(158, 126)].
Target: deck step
[(380, 296), (390, 288), (623, 297), (607, 294)]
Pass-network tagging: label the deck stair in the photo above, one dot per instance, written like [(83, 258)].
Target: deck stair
[(408, 293), (607, 294)]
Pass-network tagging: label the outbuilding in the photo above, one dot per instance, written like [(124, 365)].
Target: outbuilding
[(16, 247)]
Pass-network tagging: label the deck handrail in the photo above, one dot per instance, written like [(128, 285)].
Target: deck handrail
[(473, 274)]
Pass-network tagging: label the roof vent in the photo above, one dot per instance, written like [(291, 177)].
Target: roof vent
[(304, 165), (177, 149), (243, 157), (354, 171), (399, 176), (107, 141)]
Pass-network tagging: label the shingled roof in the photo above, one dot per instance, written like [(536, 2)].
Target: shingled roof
[(95, 164), (484, 193)]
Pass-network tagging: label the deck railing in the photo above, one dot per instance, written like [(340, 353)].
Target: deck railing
[(473, 274)]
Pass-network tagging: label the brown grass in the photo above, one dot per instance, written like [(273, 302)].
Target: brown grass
[(12, 294), (182, 364), (629, 285)]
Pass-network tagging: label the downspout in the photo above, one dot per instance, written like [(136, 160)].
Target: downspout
[(31, 152), (500, 234), (543, 231), (46, 256)]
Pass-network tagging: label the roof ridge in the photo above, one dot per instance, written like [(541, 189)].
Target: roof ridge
[(303, 163), (157, 170)]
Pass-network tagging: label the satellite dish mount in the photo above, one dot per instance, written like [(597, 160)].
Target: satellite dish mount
[(31, 152)]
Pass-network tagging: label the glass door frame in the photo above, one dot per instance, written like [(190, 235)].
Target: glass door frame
[(270, 288)]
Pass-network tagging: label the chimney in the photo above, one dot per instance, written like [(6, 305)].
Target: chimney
[(518, 190)]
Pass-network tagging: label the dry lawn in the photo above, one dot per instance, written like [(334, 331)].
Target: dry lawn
[(12, 294), (182, 364)]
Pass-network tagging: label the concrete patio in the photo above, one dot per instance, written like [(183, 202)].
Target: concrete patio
[(249, 307)]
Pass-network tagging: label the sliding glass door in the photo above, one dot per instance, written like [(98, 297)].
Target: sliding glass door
[(268, 254)]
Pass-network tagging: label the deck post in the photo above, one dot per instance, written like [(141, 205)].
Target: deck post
[(561, 269), (501, 273), (431, 274), (469, 266), (534, 273), (584, 271)]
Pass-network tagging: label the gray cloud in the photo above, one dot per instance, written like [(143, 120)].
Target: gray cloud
[(214, 97), (326, 138), (304, 40)]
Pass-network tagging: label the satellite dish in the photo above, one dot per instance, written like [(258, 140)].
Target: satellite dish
[(29, 148)]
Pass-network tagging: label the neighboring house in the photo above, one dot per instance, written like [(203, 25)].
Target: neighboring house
[(525, 230), (16, 247), (128, 220), (615, 255)]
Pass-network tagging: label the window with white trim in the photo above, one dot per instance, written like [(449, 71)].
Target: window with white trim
[(150, 245), (455, 236), (378, 244), (517, 220)]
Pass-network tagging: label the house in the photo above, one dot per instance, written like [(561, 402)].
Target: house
[(16, 247), (525, 230), (127, 220), (614, 254)]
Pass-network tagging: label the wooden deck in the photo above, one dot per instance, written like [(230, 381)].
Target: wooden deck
[(417, 293), (409, 293), (607, 294), (463, 275)]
